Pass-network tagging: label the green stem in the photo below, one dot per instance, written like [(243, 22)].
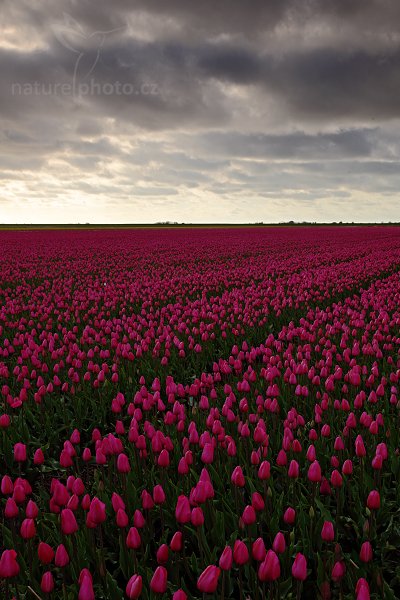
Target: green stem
[(299, 588), (241, 582), (223, 586)]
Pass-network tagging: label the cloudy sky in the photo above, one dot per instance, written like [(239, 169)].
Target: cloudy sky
[(212, 111)]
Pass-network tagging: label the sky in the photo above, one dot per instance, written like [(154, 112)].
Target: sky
[(223, 111)]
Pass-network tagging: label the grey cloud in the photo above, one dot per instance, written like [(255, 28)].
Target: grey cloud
[(323, 145), (321, 82), (207, 18), (337, 84), (174, 85), (235, 65)]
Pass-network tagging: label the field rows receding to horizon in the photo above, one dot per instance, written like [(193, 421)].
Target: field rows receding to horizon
[(200, 412)]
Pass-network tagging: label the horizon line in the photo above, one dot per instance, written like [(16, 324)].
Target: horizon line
[(173, 224)]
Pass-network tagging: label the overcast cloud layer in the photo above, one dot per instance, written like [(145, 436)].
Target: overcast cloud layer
[(223, 111)]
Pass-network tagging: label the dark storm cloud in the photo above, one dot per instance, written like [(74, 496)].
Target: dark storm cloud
[(208, 18), (231, 64), (318, 83), (229, 17), (337, 84), (372, 13), (161, 89), (214, 18)]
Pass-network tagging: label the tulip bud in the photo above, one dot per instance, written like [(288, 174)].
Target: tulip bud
[(347, 467), (299, 567), (176, 542), (237, 477), (117, 502), (133, 540), (123, 465), (158, 495), (197, 517), (7, 486), (279, 544), (240, 553), (20, 452), (258, 550), (11, 509), (257, 501), (78, 487), (314, 472), (122, 519), (163, 459), (336, 479), (68, 522), (249, 515), (138, 519), (28, 529), (182, 510), (324, 487), (147, 500), (86, 455), (269, 569), (45, 553), (226, 559), (158, 583), (373, 500), (362, 590), (179, 595), (8, 564), (208, 580), (134, 587), (338, 571), (162, 554), (293, 471), (97, 511), (264, 470), (47, 583), (85, 586), (4, 421), (328, 532), (290, 516), (366, 553), (61, 558), (360, 447), (19, 493), (38, 457)]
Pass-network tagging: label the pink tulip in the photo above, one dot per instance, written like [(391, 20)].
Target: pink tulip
[(269, 569), (226, 559), (182, 510), (158, 583), (299, 567), (134, 587), (208, 580), (9, 566)]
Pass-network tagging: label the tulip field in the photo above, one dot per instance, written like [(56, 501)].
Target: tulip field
[(198, 413)]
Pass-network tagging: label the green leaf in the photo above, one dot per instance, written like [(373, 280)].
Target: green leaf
[(114, 591)]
